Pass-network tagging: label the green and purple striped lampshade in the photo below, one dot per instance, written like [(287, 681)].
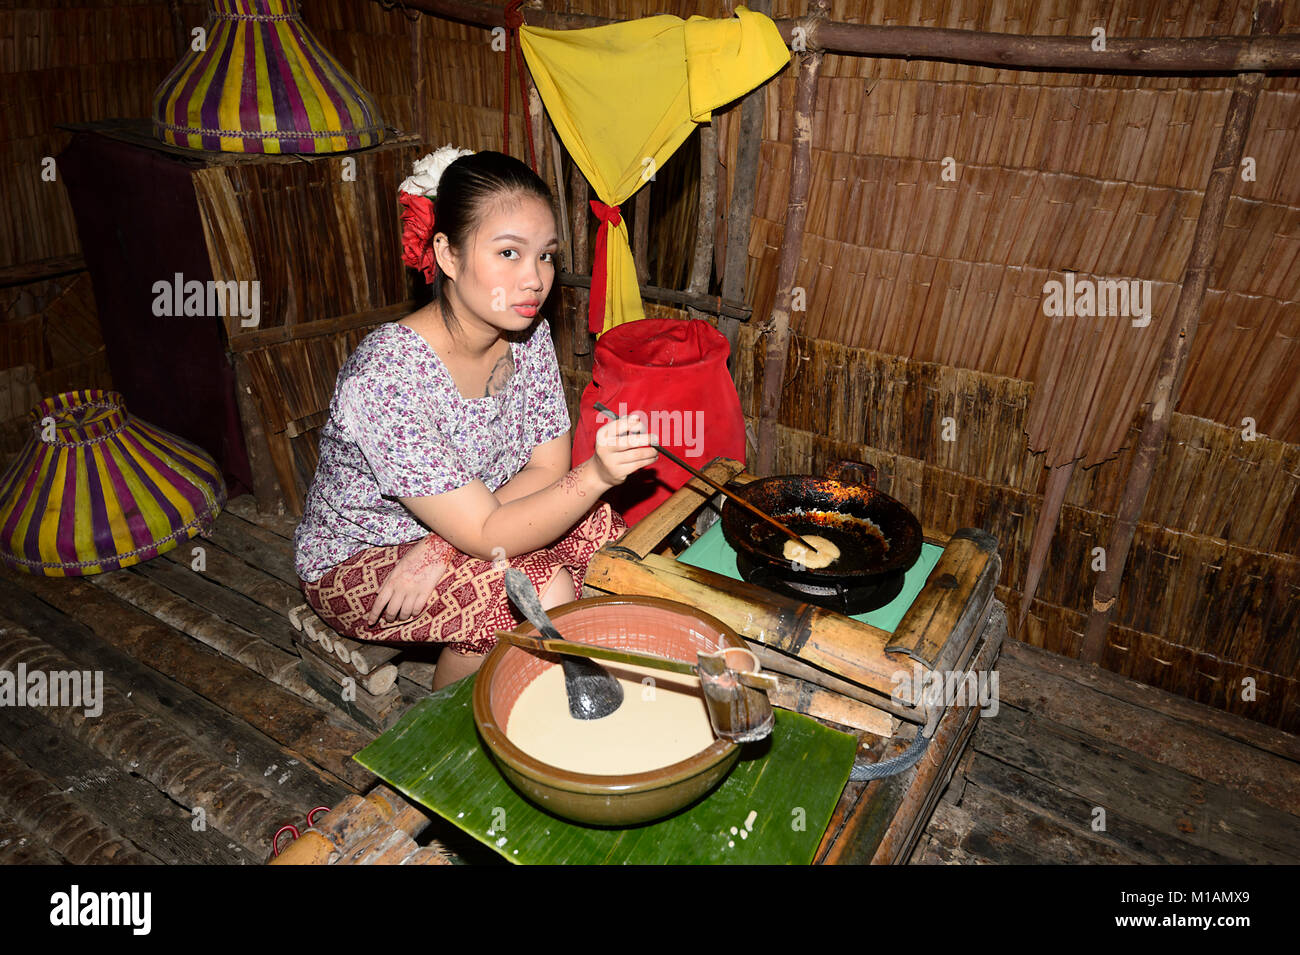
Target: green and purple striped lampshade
[(263, 83), (95, 489)]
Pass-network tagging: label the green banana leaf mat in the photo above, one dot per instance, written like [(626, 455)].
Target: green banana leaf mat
[(772, 808)]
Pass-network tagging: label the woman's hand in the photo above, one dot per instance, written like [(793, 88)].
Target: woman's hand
[(406, 591), (622, 446)]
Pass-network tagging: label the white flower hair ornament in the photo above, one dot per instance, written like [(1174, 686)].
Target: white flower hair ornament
[(416, 195), (427, 172)]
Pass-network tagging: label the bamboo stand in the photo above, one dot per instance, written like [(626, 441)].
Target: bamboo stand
[(838, 669)]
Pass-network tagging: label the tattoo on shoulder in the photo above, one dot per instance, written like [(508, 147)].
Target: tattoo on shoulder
[(501, 373)]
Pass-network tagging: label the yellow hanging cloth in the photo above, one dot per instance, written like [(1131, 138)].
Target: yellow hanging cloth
[(623, 97)]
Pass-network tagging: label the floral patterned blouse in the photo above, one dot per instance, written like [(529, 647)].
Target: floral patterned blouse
[(399, 427)]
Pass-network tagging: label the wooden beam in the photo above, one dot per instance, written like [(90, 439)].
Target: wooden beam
[(418, 78), (40, 270), (1178, 344), (1212, 54), (263, 337), (557, 180)]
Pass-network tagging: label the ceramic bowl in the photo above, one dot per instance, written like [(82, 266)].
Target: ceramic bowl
[(649, 624)]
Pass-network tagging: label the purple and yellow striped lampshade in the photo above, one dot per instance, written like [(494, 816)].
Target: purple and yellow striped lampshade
[(263, 84), (95, 489)]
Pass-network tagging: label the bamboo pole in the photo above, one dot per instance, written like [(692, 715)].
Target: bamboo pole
[(778, 326), (533, 105), (265, 487), (1178, 345), (740, 211), (581, 208), (180, 35), (418, 78), (1044, 533), (561, 195), (1214, 54), (641, 234), (702, 259)]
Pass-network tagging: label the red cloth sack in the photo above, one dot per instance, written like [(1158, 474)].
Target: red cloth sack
[(674, 374)]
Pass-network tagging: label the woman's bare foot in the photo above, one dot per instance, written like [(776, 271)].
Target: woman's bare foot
[(559, 591), (454, 665)]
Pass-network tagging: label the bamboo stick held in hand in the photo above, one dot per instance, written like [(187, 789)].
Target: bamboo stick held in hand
[(716, 486)]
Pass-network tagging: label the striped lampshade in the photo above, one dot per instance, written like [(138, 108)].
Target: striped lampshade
[(95, 489), (262, 83)]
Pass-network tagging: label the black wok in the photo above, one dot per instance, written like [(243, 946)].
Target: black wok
[(875, 533)]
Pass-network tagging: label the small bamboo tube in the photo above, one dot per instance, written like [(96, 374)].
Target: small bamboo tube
[(824, 704)]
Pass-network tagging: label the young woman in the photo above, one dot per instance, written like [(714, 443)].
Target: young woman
[(445, 459)]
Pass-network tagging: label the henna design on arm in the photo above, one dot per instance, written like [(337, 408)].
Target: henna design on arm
[(433, 550), (572, 483)]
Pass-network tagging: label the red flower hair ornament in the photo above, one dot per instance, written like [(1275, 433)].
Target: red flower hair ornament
[(416, 196)]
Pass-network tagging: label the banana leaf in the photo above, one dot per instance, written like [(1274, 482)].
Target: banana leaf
[(784, 788)]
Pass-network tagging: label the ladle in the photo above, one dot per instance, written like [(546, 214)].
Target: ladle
[(738, 707), (593, 691)]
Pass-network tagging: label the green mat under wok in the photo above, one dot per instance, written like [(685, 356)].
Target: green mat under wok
[(712, 552), (791, 784)]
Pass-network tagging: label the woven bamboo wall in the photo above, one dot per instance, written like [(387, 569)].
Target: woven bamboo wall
[(392, 56), (64, 63), (1100, 175), (344, 224), (59, 63), (49, 343)]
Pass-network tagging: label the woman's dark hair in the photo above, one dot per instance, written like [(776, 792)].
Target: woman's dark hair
[(466, 192)]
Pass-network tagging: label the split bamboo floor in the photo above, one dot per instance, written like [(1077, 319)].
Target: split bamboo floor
[(210, 740)]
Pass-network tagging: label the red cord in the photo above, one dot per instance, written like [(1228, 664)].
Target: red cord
[(275, 840), (310, 820), (514, 20)]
